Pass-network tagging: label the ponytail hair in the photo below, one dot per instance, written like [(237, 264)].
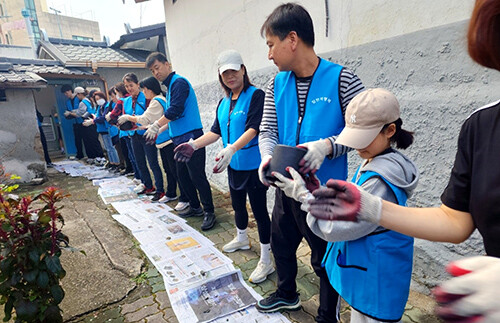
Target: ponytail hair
[(402, 138)]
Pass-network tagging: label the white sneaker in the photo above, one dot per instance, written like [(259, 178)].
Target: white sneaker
[(139, 188), (234, 245), (166, 199), (181, 206), (136, 181), (261, 272)]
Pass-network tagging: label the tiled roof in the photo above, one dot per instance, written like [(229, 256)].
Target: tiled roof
[(65, 52), (41, 66), (47, 69), (9, 77)]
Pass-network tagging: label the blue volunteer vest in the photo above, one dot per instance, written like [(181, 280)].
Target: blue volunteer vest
[(113, 130), (232, 126), (165, 135), (373, 273), (88, 104), (190, 119), (102, 127), (140, 107), (322, 118), (72, 104)]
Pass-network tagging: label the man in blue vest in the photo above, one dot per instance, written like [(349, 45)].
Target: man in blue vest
[(71, 106), (184, 125), (304, 105)]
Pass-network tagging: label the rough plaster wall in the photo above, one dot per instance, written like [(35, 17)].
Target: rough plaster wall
[(20, 148), (438, 86)]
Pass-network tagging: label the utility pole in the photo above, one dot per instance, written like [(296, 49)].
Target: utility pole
[(57, 12)]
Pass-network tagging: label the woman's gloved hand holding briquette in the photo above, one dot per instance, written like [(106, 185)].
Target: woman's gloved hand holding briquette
[(472, 296)]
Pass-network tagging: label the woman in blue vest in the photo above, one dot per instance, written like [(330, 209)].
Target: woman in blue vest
[(102, 126), (367, 264), (156, 108), (90, 138), (135, 105), (237, 122)]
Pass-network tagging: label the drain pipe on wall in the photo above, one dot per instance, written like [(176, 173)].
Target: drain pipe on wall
[(327, 17)]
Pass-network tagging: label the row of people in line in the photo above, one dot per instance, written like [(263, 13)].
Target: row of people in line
[(322, 107)]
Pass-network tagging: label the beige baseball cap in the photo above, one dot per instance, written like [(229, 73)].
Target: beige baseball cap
[(79, 90), (366, 115), (229, 60)]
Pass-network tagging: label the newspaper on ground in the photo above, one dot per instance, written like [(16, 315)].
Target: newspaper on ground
[(212, 298)]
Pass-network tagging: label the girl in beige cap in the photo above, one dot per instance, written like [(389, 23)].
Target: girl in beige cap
[(367, 264)]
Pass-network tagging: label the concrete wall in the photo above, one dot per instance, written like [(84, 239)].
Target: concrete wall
[(236, 24), (20, 149), (70, 26), (438, 86)]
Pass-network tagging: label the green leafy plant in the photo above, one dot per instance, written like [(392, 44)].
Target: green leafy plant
[(30, 246)]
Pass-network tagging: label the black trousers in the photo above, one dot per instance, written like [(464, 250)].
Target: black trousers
[(44, 146), (168, 163), (91, 141), (78, 132), (192, 178), (258, 203), (288, 227), (124, 151)]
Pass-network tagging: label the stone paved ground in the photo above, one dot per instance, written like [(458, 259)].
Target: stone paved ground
[(148, 301)]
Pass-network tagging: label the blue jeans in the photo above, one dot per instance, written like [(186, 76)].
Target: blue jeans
[(143, 151), (108, 145), (131, 157)]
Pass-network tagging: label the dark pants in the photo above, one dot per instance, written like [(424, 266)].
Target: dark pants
[(131, 156), (44, 146), (257, 197), (78, 132), (192, 177), (91, 141), (288, 227), (124, 161), (168, 162), (141, 152)]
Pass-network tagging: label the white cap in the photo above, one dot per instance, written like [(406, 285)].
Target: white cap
[(79, 90), (229, 60)]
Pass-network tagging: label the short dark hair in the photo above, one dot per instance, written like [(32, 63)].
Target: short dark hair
[(101, 94), (130, 77), (155, 56), (402, 138), (152, 84), (66, 87), (120, 88), (111, 91), (246, 82), (483, 35), (289, 17)]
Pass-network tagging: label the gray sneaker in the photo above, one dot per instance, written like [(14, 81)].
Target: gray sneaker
[(189, 212)]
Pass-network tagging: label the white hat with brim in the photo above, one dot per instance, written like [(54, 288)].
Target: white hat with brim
[(357, 138), (229, 60)]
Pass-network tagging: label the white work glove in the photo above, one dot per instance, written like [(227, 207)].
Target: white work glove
[(223, 159), (152, 131), (123, 118), (108, 116), (67, 113), (264, 165), (473, 295), (88, 122), (341, 200), (294, 188), (315, 155)]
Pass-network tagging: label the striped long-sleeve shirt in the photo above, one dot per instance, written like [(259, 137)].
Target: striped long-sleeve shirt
[(350, 85)]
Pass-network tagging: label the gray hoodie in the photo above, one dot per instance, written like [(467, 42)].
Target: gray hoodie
[(397, 169)]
